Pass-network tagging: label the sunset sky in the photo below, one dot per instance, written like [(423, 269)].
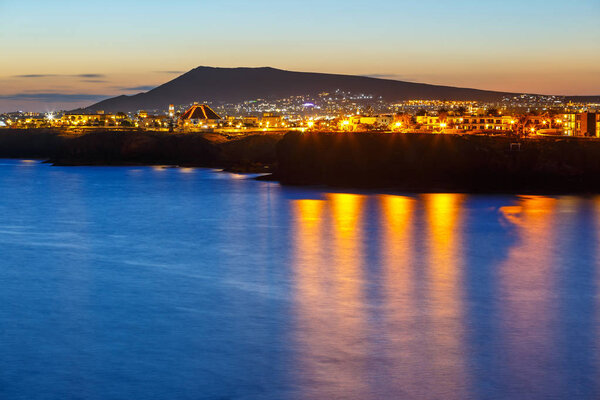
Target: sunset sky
[(63, 54)]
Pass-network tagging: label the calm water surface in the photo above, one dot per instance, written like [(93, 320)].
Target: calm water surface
[(160, 283)]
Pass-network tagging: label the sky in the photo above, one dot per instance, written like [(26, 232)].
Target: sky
[(62, 54)]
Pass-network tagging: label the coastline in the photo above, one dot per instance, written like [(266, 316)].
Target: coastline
[(253, 153), (426, 163), (416, 163)]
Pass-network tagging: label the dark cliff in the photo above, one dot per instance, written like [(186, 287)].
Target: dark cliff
[(408, 162), (254, 153), (24, 143), (420, 162)]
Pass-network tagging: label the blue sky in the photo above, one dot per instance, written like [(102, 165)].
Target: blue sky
[(106, 48)]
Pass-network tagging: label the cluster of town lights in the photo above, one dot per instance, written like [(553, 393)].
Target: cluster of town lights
[(456, 119)]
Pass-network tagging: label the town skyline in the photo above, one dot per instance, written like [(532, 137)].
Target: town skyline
[(73, 54)]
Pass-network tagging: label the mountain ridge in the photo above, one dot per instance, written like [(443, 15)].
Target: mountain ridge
[(233, 85)]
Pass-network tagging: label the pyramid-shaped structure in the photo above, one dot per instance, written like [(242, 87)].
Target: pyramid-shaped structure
[(200, 112)]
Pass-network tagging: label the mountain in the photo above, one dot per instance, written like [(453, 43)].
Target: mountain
[(232, 85)]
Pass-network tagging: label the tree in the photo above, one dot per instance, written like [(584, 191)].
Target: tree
[(493, 112)]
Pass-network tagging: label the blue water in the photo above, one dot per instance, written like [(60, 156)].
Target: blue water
[(165, 283)]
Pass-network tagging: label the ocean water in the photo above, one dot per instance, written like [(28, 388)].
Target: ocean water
[(168, 283)]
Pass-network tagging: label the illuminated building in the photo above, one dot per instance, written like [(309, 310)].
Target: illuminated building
[(586, 124), (568, 124), (270, 120), (84, 119), (32, 122), (376, 122), (92, 120), (484, 123), (428, 122), (199, 116), (152, 122), (459, 123), (250, 121)]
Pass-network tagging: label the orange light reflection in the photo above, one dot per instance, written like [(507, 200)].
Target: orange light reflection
[(329, 299), (526, 282), (445, 294)]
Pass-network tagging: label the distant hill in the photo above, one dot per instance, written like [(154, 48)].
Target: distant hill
[(232, 85)]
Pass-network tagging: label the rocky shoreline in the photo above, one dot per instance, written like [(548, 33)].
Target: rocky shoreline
[(406, 162), (441, 163), (254, 153)]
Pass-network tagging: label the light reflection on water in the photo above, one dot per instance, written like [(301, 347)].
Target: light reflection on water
[(415, 340), (127, 283), (527, 289), (444, 242)]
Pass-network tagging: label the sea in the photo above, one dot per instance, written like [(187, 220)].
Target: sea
[(178, 283)]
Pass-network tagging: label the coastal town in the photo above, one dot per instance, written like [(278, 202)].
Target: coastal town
[(524, 115)]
